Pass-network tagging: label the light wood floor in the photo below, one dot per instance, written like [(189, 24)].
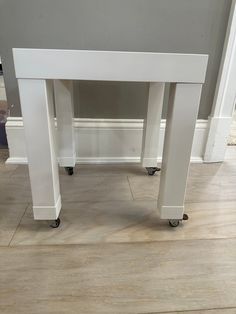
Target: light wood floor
[(112, 253)]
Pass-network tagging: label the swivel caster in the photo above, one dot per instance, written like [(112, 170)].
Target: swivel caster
[(152, 170), (175, 222), (55, 223), (69, 170), (185, 217)]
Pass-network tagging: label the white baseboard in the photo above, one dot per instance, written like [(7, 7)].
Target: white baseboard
[(233, 128), (103, 140), (217, 138), (232, 134)]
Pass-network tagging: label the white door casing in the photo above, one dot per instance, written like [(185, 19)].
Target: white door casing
[(225, 96)]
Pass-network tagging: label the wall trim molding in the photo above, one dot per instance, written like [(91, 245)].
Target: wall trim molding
[(233, 128), (97, 160), (92, 123), (103, 140), (225, 96), (217, 140)]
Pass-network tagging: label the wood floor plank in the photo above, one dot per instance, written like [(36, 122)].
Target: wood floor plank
[(199, 188), (14, 191), (212, 311), (127, 221), (10, 216), (130, 268), (87, 188), (118, 278)]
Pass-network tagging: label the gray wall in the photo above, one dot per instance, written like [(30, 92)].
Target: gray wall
[(188, 26)]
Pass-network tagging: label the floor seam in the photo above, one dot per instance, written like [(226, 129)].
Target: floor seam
[(190, 311), (130, 188), (114, 243), (27, 206)]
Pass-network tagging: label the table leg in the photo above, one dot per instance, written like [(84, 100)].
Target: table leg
[(63, 90), (151, 129), (37, 109), (181, 119)]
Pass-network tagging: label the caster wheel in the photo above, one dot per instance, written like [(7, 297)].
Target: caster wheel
[(151, 170), (55, 223), (185, 217), (174, 223), (69, 170)]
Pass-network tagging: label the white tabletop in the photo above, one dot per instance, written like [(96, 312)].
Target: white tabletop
[(109, 65)]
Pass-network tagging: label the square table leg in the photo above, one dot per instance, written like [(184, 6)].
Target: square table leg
[(38, 116), (181, 119), (151, 129), (63, 91)]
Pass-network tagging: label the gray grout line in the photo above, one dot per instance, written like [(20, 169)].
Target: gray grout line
[(10, 203), (130, 188), (17, 227), (194, 310), (116, 243)]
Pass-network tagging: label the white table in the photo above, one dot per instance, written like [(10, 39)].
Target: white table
[(37, 69)]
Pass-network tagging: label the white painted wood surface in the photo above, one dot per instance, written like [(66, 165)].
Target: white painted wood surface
[(124, 66), (63, 91), (152, 123), (37, 109), (225, 96), (177, 148), (109, 65)]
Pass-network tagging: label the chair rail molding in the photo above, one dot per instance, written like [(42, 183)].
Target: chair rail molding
[(225, 96)]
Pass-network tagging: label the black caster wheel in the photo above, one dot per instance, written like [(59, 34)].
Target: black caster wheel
[(151, 170), (69, 170), (55, 223), (185, 217), (174, 223)]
